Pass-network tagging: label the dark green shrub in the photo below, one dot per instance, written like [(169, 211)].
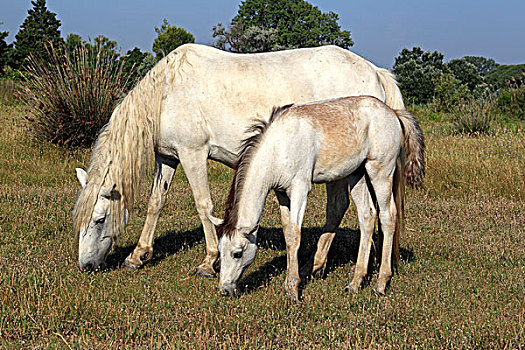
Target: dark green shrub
[(71, 96)]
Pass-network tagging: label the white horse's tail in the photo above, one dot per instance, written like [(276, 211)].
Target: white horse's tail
[(393, 97)]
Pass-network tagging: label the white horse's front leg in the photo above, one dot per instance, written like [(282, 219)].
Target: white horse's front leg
[(292, 236), (194, 163), (143, 252)]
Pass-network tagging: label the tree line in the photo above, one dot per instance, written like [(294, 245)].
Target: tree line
[(259, 26), (42, 60)]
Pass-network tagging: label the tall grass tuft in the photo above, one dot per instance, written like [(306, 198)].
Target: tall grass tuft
[(474, 117), (7, 89), (71, 96)]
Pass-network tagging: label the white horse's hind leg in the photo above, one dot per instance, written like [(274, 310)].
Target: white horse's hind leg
[(143, 252), (366, 214), (336, 205), (195, 167), (382, 180)]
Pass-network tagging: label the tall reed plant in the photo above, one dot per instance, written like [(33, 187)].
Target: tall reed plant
[(474, 117), (71, 96)]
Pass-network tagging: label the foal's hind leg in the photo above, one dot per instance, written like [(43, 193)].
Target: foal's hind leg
[(381, 178), (366, 214), (143, 252), (336, 205)]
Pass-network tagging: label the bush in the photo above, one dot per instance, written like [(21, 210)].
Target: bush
[(449, 92), (474, 117), (72, 96), (511, 102)]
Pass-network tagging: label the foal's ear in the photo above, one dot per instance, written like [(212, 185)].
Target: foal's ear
[(82, 177), (214, 220)]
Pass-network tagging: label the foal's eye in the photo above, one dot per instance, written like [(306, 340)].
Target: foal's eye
[(100, 221), (237, 255)]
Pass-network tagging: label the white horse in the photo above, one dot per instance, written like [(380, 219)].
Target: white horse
[(194, 105), (348, 142)]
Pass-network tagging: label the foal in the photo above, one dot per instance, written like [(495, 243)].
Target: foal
[(344, 141)]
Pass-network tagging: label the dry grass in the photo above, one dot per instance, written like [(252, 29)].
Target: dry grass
[(460, 284)]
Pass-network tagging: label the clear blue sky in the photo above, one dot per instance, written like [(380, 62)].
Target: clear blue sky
[(380, 29)]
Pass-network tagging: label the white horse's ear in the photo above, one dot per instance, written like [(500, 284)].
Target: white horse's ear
[(105, 191), (82, 176), (214, 220)]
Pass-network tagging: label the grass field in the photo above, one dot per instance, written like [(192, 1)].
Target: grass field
[(461, 283)]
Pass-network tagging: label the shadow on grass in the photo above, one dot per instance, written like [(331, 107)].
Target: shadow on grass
[(344, 250), (164, 246)]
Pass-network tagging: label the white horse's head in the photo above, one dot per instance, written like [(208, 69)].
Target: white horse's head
[(95, 229), (237, 250)]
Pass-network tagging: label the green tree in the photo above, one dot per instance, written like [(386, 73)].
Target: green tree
[(506, 75), (5, 49), (136, 65), (40, 27), (483, 65), (105, 47), (73, 42), (267, 25), (417, 72), (465, 72), (169, 38)]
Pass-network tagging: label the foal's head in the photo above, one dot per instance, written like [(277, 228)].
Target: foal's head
[(237, 250)]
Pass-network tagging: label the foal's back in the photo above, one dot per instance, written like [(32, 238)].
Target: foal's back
[(334, 137)]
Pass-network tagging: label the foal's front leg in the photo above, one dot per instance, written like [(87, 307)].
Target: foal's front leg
[(292, 236), (143, 252)]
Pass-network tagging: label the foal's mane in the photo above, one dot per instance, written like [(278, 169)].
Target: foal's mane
[(248, 148)]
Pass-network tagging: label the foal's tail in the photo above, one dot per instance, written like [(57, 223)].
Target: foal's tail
[(413, 147), (410, 166)]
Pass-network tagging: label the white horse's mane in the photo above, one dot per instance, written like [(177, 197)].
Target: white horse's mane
[(125, 145)]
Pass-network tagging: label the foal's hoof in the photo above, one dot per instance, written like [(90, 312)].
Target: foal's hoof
[(352, 289), (379, 291)]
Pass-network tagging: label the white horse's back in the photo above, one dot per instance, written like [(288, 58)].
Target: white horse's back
[(217, 95)]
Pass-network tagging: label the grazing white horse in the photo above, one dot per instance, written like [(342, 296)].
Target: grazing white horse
[(352, 142), (194, 105)]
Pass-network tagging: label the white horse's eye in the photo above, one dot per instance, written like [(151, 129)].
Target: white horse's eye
[(100, 221), (237, 255)]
